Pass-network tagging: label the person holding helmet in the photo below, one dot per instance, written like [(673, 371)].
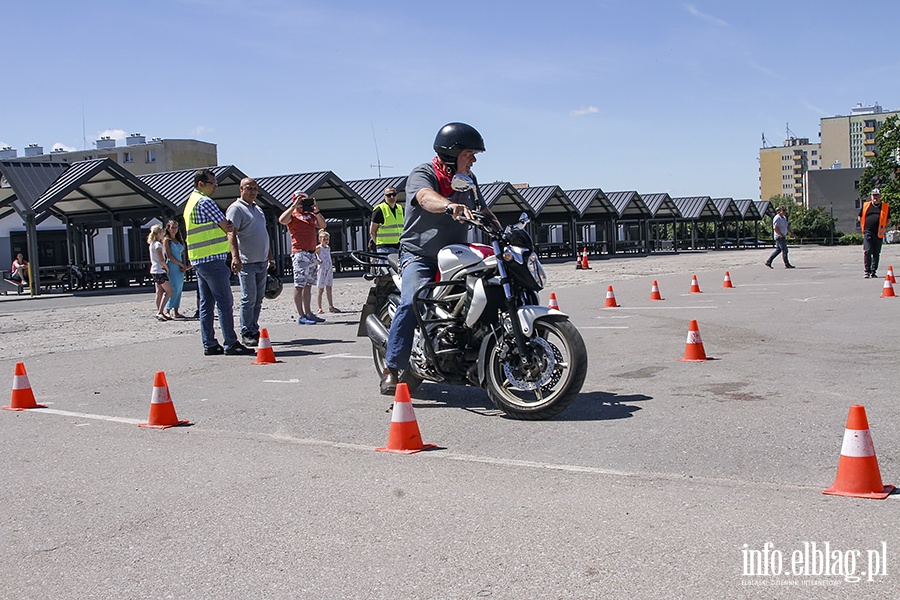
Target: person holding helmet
[(873, 219), (431, 222)]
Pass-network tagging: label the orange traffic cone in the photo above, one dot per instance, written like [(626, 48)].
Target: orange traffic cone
[(858, 473), (584, 259), (693, 349), (654, 291), (553, 303), (162, 411), (888, 291), (264, 353), (404, 436), (727, 283), (22, 396), (890, 274), (695, 287), (610, 299)]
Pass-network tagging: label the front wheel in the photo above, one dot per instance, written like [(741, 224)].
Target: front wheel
[(547, 382)]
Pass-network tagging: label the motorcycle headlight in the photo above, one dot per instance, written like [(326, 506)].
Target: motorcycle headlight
[(537, 271)]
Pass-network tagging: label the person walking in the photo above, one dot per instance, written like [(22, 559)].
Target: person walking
[(207, 242), (780, 231), (873, 219), (159, 271), (178, 266), (432, 212), (250, 256), (303, 220)]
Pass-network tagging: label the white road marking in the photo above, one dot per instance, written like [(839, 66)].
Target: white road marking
[(664, 308), (281, 381), (344, 356), (607, 327), (65, 413)]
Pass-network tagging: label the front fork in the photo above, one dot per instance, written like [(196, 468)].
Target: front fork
[(511, 308)]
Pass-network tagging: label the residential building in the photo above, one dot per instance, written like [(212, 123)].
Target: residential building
[(137, 155), (850, 139), (781, 168)]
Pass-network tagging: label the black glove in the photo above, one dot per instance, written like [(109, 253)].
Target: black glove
[(372, 245)]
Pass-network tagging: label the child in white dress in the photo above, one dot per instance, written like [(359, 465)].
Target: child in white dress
[(326, 271)]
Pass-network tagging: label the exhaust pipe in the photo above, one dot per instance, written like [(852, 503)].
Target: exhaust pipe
[(376, 331)]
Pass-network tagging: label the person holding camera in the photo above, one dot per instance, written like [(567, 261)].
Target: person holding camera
[(303, 220)]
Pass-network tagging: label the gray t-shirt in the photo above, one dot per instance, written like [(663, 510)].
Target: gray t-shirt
[(250, 227), (425, 233)]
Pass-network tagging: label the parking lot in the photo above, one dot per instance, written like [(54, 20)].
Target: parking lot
[(658, 482)]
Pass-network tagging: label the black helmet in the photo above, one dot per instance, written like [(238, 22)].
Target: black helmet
[(453, 138), (273, 286)]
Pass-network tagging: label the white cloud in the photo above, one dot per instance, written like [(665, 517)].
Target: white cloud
[(702, 15), (201, 130), (116, 134), (586, 110), (61, 146)]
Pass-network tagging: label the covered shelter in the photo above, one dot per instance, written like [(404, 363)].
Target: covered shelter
[(345, 210), (730, 215), (555, 216), (596, 216), (92, 195), (372, 192), (749, 212), (695, 210), (632, 222), (664, 213)]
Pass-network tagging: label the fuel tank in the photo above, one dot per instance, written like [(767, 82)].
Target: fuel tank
[(457, 257)]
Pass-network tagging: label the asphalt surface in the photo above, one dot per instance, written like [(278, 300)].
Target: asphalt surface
[(658, 482)]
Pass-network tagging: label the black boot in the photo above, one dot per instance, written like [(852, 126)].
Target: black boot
[(388, 381)]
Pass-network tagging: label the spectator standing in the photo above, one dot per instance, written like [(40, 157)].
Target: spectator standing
[(303, 220), (780, 231), (387, 223), (250, 256), (325, 277), (873, 219), (159, 271), (207, 242), (178, 266)]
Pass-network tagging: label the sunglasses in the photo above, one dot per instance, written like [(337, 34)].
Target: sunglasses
[(391, 195)]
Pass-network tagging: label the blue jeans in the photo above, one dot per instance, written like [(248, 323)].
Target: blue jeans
[(214, 284), (780, 248), (253, 290), (416, 272)]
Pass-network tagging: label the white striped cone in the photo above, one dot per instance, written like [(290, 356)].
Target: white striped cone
[(888, 291), (858, 474), (553, 303), (610, 298), (162, 410), (727, 282), (22, 394)]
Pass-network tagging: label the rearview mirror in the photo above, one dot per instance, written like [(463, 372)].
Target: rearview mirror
[(462, 183)]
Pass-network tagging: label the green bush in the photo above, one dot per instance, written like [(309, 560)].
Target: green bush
[(851, 239)]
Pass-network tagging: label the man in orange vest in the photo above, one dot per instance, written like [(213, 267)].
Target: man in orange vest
[(873, 218)]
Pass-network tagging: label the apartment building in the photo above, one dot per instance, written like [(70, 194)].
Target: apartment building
[(849, 140), (782, 168), (137, 155)]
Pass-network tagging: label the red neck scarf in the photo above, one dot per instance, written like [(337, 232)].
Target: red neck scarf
[(444, 174)]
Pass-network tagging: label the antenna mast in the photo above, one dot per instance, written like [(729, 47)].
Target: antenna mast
[(377, 157)]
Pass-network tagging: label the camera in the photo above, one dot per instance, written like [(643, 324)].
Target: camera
[(307, 204)]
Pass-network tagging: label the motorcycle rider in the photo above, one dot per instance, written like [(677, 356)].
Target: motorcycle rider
[(431, 222)]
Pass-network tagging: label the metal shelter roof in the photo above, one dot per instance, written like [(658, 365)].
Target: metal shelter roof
[(176, 187), (592, 203), (697, 208), (335, 199), (98, 192), (628, 205), (765, 208), (727, 208), (748, 209), (372, 190), (504, 200), (549, 202), (27, 182), (661, 206)]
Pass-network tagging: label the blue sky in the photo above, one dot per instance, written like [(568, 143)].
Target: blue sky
[(622, 95)]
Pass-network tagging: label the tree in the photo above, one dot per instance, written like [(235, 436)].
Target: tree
[(805, 222), (883, 172)]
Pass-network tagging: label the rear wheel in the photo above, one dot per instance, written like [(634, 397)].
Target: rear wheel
[(548, 381), (412, 382)]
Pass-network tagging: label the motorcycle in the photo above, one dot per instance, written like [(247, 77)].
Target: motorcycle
[(480, 323)]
